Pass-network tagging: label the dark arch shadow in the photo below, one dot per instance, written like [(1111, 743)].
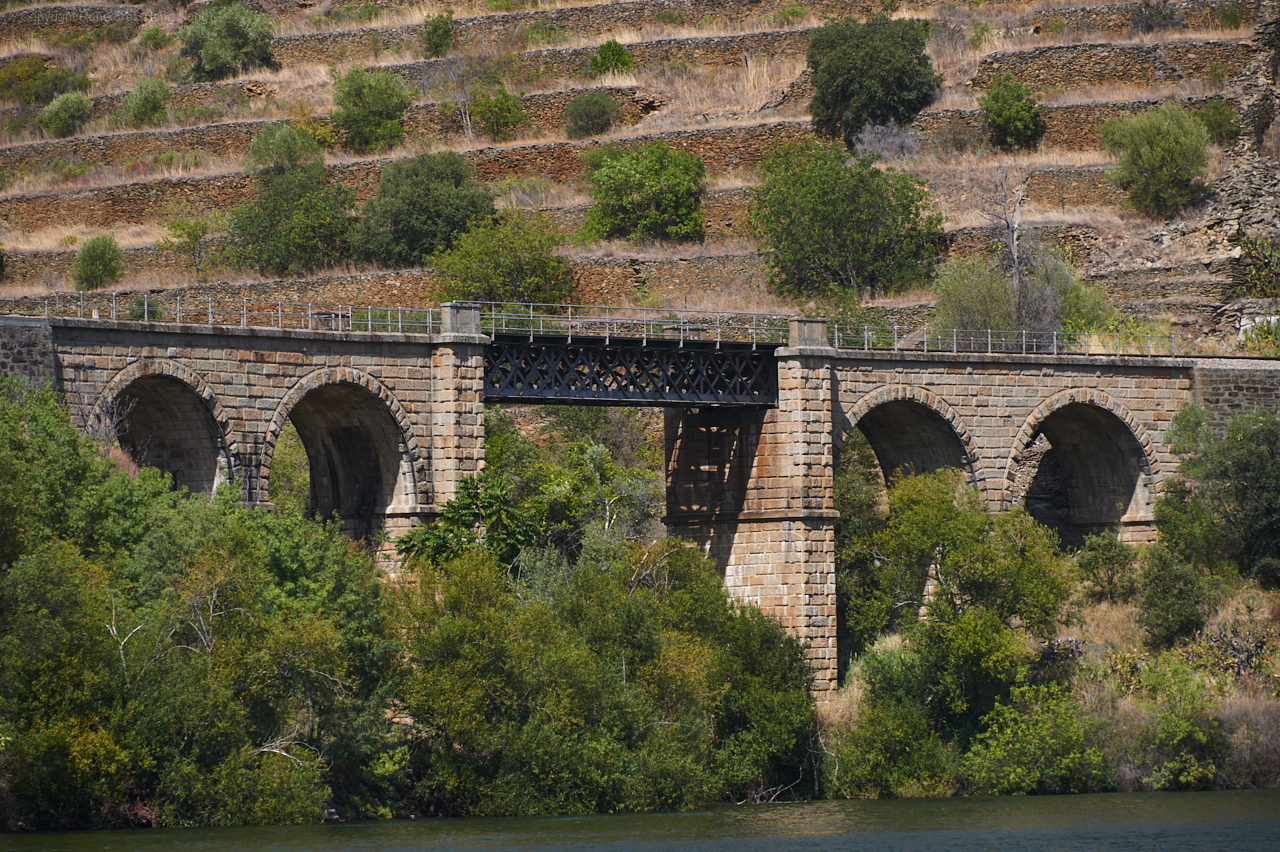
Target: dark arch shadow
[(1094, 475), (911, 429), (161, 421), (359, 464)]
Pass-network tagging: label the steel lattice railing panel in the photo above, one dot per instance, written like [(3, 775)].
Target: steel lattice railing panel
[(630, 372)]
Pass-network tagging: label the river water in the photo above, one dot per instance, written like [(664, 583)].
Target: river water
[(1238, 821)]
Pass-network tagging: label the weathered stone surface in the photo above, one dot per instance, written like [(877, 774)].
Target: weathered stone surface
[(26, 22), (1076, 66)]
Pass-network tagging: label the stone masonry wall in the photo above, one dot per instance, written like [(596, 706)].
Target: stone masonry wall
[(1118, 17), (722, 149), (1229, 386), (1073, 127), (232, 139), (1076, 66), (22, 23), (26, 349)]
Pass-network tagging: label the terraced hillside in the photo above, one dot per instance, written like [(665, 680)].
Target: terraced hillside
[(724, 80)]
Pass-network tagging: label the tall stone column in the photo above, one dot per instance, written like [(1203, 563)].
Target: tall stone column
[(754, 490), (457, 402)]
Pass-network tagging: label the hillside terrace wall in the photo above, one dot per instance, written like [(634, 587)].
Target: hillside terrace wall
[(570, 62), (1119, 17), (1075, 66), (545, 111), (1073, 127), (722, 149), (22, 23)]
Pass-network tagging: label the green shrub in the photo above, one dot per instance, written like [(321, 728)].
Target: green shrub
[(421, 205), (154, 38), (1107, 566), (298, 221), (99, 262), (1163, 158), (596, 156), (508, 258), (974, 293), (1171, 604), (870, 73), (590, 114), (189, 232), (66, 114), (1036, 743), (499, 113), (144, 106), (789, 13), (1261, 256), (1220, 121), (226, 39), (437, 33), (1231, 16), (370, 106), (650, 192), (1011, 113), (830, 225), (27, 80), (1149, 16), (611, 57), (891, 752)]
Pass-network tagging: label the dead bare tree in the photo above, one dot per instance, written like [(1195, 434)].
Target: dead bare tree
[(111, 420)]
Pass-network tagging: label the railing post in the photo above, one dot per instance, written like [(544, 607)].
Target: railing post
[(146, 308), (1117, 344), (113, 305), (1055, 343), (955, 341), (926, 340), (988, 341), (179, 310), (895, 338), (210, 310), (1148, 344), (81, 304), (244, 313), (866, 338), (1024, 341)]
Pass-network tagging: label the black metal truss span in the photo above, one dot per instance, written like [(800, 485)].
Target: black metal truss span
[(621, 371)]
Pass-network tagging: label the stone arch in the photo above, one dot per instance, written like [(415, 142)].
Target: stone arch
[(366, 462), (1104, 459), (165, 415), (911, 427)]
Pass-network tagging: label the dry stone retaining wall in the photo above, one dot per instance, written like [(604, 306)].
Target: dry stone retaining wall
[(26, 22), (228, 139), (1118, 17), (722, 149), (1076, 66)]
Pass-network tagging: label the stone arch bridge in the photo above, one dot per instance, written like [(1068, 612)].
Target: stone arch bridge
[(391, 413)]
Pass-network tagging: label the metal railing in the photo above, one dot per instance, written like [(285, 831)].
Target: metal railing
[(992, 342), (644, 324), (242, 313)]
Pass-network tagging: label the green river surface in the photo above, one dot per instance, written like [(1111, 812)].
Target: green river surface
[(1238, 821)]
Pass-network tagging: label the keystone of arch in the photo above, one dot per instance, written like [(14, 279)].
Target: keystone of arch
[(973, 467), (323, 376)]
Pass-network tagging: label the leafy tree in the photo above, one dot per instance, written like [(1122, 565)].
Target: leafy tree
[(66, 114), (420, 207), (154, 38), (189, 231), (99, 262), (974, 293), (1036, 743), (519, 702), (611, 57), (499, 113), (1011, 113), (648, 192), (507, 259), (437, 34), (1227, 506), (590, 114), (298, 220), (370, 106), (1163, 158), (1106, 565), (870, 73), (144, 106), (1220, 122), (226, 39), (1171, 604), (830, 226)]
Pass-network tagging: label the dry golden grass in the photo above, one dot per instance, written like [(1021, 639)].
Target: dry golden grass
[(661, 251), (70, 237), (703, 96), (113, 175), (1106, 628)]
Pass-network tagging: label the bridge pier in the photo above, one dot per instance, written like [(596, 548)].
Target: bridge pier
[(754, 490)]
